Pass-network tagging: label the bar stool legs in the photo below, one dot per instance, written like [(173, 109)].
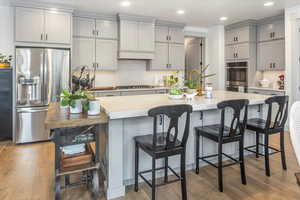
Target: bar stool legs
[(153, 179), (197, 153), (183, 176), (242, 164), (220, 167), (283, 161), (267, 160), (166, 170), (257, 145), (136, 171)]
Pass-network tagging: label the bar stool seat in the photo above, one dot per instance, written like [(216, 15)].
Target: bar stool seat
[(213, 131), (258, 124), (145, 142)]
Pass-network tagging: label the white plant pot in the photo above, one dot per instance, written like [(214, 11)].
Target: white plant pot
[(94, 107), (191, 91), (78, 107)]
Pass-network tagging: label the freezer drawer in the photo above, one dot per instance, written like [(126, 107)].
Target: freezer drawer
[(31, 125)]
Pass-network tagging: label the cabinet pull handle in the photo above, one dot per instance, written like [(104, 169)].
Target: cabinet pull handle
[(274, 65), (46, 36), (97, 33), (270, 65), (170, 38), (41, 36), (273, 34), (167, 37)]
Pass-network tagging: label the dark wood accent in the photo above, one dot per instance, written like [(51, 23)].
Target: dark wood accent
[(61, 118), (77, 160), (298, 178)]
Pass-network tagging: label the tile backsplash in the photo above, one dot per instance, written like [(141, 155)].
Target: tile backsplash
[(272, 76), (130, 72)]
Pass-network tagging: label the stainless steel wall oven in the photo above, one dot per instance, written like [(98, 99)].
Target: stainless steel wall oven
[(237, 76)]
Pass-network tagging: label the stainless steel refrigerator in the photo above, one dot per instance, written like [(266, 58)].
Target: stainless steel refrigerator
[(41, 73)]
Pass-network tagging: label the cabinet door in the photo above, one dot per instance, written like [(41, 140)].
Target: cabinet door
[(242, 51), (243, 34), (278, 50), (230, 52), (83, 52), (106, 54), (129, 35), (176, 56), (161, 59), (146, 37), (279, 29), (83, 27), (161, 33), (229, 37), (271, 31), (29, 25), (264, 55), (57, 27), (107, 29), (176, 35)]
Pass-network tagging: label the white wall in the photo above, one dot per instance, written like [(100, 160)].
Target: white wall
[(292, 52), (215, 46), (6, 32)]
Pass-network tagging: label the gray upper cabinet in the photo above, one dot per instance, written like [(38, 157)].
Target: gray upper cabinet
[(161, 34), (99, 28), (106, 29), (136, 37), (176, 57), (106, 54), (95, 43), (169, 34), (271, 55), (240, 35), (176, 35), (161, 60), (238, 51), (42, 26), (271, 31), (83, 27)]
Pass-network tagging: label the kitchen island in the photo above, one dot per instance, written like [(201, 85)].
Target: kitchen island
[(128, 118)]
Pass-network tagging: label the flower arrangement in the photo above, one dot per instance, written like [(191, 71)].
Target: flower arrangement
[(172, 80), (5, 61)]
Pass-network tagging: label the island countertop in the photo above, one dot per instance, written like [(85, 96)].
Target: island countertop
[(118, 107)]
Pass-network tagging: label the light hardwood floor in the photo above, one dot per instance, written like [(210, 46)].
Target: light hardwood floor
[(26, 172)]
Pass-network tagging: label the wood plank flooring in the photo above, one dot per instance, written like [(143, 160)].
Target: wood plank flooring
[(26, 172)]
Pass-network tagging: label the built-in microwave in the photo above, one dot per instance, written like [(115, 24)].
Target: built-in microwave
[(237, 76)]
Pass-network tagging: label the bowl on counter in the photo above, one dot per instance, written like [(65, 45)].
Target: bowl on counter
[(176, 97)]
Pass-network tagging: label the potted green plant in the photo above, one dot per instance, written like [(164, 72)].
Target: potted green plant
[(175, 91), (73, 100), (5, 61), (91, 105)]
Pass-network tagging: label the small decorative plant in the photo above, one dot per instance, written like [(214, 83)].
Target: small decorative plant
[(200, 77), (5, 60), (68, 98), (88, 98)]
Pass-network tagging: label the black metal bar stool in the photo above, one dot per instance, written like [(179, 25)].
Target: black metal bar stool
[(164, 145), (222, 135), (269, 127)]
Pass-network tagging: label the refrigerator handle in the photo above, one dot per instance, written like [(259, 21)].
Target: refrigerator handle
[(47, 90)]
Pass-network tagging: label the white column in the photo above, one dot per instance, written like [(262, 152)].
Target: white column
[(115, 186)]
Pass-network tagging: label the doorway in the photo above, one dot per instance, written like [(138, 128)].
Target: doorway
[(194, 54)]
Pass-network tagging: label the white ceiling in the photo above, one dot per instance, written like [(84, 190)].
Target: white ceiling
[(203, 13)]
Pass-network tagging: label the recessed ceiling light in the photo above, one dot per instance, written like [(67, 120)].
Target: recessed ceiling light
[(180, 12), (223, 18), (269, 3), (125, 3)]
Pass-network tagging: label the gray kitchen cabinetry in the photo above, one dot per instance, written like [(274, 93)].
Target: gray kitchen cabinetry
[(128, 93), (169, 47), (143, 92), (107, 94), (95, 43), (271, 55), (136, 37), (266, 91), (240, 35), (42, 26), (271, 30), (237, 51)]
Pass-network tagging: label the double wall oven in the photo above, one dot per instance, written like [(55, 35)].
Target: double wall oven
[(237, 76)]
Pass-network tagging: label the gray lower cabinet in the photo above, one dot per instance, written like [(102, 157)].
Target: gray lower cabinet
[(265, 91), (271, 55), (106, 94), (129, 93)]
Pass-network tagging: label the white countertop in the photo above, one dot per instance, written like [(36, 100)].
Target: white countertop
[(268, 89), (118, 107), (132, 89)]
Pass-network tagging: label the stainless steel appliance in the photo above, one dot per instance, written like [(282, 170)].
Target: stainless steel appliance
[(237, 76), (41, 74)]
